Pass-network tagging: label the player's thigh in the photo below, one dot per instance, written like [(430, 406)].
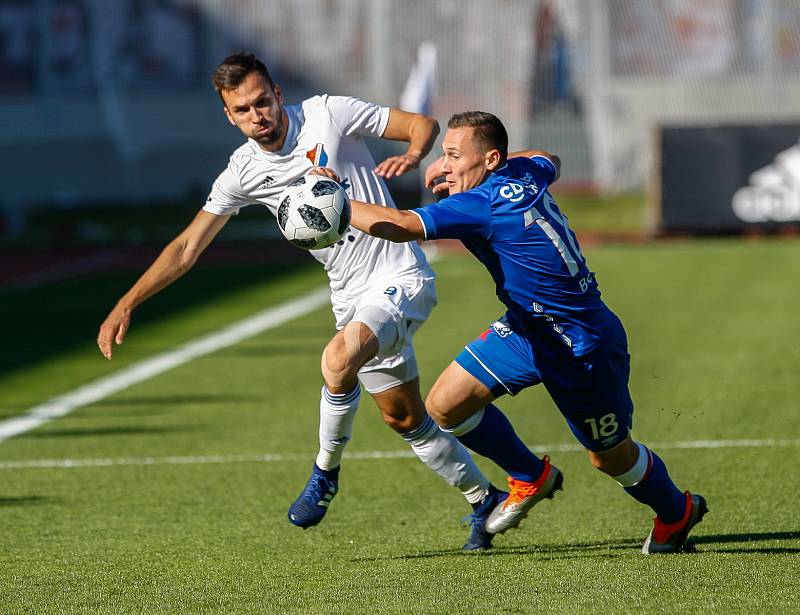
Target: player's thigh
[(380, 324), (592, 395), (456, 395), (395, 308), (394, 312), (497, 362), (501, 359)]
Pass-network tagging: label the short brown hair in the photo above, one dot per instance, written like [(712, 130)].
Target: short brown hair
[(489, 132), (234, 70)]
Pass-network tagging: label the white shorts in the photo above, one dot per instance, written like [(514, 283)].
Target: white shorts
[(393, 309)]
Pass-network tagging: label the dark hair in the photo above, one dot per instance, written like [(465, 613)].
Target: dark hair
[(489, 132), (234, 70)]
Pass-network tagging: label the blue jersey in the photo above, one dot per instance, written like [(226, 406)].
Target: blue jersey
[(514, 227)]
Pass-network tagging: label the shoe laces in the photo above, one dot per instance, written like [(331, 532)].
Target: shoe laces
[(476, 522), (317, 486), (471, 519), (477, 518)]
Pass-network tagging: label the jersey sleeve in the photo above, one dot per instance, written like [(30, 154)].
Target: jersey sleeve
[(543, 168), (226, 196), (354, 116), (461, 216)]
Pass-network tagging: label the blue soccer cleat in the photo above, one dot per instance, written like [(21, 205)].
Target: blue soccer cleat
[(479, 539), (311, 506)]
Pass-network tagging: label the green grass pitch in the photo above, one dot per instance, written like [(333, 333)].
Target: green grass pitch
[(715, 339)]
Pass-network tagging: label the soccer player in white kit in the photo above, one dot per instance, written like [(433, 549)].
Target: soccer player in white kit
[(381, 291)]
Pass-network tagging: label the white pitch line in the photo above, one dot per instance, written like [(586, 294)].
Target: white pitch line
[(365, 455), (160, 363)]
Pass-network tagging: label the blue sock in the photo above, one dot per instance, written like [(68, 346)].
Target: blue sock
[(494, 437), (658, 491)]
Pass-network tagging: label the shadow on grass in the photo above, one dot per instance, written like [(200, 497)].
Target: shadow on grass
[(542, 552), (25, 500), (608, 549), (751, 537), (104, 431)]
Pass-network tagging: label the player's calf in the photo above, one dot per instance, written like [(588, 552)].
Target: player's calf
[(647, 481), (401, 407)]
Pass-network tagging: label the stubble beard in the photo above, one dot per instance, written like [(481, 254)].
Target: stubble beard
[(271, 139)]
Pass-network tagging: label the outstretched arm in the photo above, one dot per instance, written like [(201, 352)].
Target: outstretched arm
[(386, 222), (176, 259), (419, 131)]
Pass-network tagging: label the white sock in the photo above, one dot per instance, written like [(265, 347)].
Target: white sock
[(638, 470), (336, 414), (446, 456)]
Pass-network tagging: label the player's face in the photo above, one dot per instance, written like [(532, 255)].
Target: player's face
[(256, 109), (464, 165)]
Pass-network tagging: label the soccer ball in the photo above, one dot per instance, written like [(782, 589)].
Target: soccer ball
[(313, 212)]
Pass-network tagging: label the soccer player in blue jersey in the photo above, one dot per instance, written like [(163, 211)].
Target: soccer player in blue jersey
[(556, 330)]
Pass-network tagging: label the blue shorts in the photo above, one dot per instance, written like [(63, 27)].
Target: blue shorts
[(591, 392)]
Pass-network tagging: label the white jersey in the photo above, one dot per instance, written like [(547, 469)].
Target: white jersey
[(324, 131)]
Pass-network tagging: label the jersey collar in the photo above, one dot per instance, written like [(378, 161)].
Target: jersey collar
[(501, 171), (292, 130)]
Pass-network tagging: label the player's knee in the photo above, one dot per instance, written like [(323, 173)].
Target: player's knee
[(598, 462), (434, 406), (346, 353), (337, 367), (438, 407), (611, 464), (616, 461)]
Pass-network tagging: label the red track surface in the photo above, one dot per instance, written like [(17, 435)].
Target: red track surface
[(25, 268)]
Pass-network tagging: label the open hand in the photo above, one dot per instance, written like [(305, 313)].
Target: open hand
[(434, 177), (113, 329), (325, 172), (395, 166)]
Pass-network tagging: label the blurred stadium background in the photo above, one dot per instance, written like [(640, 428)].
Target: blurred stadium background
[(104, 106)]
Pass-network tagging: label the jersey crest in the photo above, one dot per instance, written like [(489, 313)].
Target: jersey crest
[(317, 155)]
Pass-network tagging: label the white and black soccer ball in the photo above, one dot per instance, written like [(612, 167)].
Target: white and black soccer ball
[(313, 212)]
